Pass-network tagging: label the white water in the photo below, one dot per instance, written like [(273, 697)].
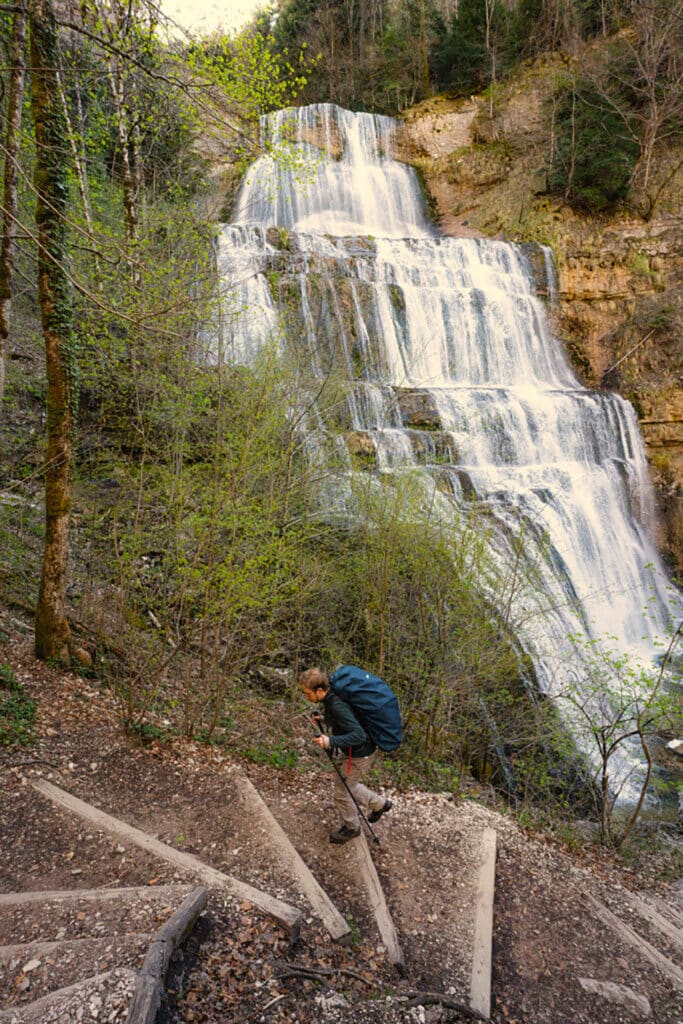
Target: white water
[(458, 320)]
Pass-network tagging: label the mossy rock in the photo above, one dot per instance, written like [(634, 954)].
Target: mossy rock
[(362, 448), (418, 409), (479, 166)]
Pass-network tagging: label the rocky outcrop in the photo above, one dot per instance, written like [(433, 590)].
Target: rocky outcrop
[(621, 314)]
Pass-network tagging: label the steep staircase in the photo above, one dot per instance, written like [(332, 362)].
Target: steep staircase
[(113, 944)]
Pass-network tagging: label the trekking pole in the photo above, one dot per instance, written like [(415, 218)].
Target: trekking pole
[(328, 750)]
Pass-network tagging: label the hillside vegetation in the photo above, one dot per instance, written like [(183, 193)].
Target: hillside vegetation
[(158, 513)]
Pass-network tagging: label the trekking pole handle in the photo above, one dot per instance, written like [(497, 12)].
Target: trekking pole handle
[(318, 720)]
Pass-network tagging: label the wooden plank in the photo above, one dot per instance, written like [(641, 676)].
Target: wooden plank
[(17, 899), (674, 973), (480, 984), (645, 910), (39, 948), (36, 1010), (378, 903), (283, 913), (320, 902), (668, 911), (149, 985)]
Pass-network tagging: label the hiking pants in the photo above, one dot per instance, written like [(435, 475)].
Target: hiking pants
[(366, 798)]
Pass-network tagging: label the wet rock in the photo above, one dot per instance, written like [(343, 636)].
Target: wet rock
[(362, 447), (431, 447), (419, 410)]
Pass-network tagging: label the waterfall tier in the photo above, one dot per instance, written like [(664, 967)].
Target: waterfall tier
[(452, 367)]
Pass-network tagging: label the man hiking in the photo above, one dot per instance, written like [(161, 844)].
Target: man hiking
[(346, 740)]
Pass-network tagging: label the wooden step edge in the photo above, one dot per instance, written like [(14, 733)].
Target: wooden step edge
[(36, 1010), (17, 899), (644, 909), (287, 916), (150, 983), (378, 903), (40, 947), (482, 949), (319, 900), (669, 969)]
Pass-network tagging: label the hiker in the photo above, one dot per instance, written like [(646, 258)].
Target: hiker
[(347, 741)]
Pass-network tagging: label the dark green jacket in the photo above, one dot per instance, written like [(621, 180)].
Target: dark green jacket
[(344, 729)]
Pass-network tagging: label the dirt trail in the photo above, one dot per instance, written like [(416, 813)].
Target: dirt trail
[(238, 967)]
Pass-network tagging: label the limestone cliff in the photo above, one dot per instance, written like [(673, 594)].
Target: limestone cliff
[(620, 306)]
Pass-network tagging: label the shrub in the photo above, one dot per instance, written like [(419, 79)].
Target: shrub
[(595, 154)]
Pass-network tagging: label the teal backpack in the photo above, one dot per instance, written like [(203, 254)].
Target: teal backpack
[(374, 704)]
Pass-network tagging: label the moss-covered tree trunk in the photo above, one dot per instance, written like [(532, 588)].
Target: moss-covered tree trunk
[(10, 203), (51, 181)]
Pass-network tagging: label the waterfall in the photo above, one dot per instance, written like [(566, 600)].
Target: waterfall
[(452, 368)]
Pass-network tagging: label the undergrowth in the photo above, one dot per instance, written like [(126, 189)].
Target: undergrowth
[(17, 711)]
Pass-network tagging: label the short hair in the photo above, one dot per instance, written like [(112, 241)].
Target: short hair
[(314, 679)]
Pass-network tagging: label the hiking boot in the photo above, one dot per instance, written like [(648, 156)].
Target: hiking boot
[(376, 815), (343, 834)]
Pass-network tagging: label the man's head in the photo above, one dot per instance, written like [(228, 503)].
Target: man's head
[(314, 684)]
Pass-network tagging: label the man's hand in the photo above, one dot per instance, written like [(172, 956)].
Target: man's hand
[(323, 742)]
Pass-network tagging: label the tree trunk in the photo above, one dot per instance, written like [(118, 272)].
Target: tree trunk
[(79, 159), (51, 181), (130, 195), (10, 202)]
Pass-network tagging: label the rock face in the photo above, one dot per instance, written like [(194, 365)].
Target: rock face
[(619, 306), (436, 128), (620, 313), (362, 447)]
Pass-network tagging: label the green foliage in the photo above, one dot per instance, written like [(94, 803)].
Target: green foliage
[(17, 711), (463, 62), (148, 732), (254, 74), (595, 154), (209, 530), (355, 936), (617, 706), (408, 600), (22, 530), (275, 757)]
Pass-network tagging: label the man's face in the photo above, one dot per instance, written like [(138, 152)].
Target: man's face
[(315, 696)]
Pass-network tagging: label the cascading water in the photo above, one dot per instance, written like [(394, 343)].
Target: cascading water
[(454, 369)]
